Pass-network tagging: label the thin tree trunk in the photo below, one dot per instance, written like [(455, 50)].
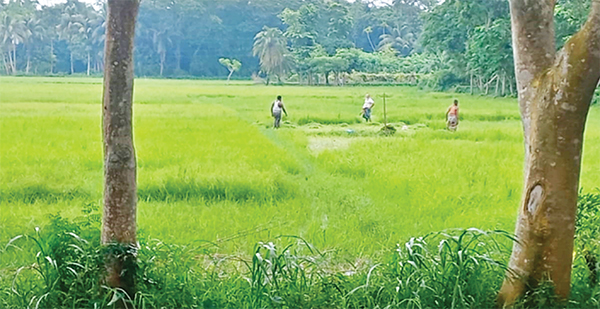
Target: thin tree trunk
[(28, 65), (10, 63), (471, 84), (119, 221), (51, 56), (370, 42), (497, 85), (71, 59), (88, 64), (555, 91), (14, 58), (163, 57), (6, 65), (229, 76)]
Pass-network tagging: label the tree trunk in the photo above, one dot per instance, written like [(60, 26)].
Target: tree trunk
[(555, 90), (28, 65), (14, 58), (497, 85), (88, 64), (71, 59), (163, 57), (178, 57), (229, 76), (51, 56), (471, 84), (119, 222), (6, 68)]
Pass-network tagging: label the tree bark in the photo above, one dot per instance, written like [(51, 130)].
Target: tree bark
[(555, 91), (120, 199)]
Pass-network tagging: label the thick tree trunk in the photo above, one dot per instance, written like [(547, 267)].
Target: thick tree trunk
[(119, 222), (555, 91)]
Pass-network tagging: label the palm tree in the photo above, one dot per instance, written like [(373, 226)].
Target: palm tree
[(400, 38), (71, 29), (94, 34), (271, 48), (34, 31), (368, 31), (12, 33)]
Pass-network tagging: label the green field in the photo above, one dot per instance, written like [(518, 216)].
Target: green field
[(217, 184), (211, 168)]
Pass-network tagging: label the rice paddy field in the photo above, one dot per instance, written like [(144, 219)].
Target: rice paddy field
[(211, 169)]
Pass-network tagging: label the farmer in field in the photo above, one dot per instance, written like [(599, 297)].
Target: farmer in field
[(366, 109), (452, 116), (276, 109)]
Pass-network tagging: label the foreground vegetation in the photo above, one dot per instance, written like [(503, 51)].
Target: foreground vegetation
[(217, 185)]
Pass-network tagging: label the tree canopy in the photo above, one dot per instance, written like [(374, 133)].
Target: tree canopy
[(454, 42)]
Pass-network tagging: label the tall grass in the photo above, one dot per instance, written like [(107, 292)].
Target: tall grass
[(458, 268)]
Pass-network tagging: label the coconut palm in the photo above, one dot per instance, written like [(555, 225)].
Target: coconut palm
[(400, 38), (12, 33), (34, 31), (271, 48), (94, 34), (72, 29), (368, 31)]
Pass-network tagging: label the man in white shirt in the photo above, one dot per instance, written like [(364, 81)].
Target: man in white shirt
[(276, 109), (366, 109)]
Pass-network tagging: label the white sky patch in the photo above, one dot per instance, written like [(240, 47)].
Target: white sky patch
[(53, 2), (377, 2)]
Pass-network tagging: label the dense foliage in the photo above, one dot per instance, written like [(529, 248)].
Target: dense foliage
[(441, 45)]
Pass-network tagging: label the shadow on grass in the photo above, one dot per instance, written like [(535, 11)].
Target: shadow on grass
[(34, 193), (219, 189)]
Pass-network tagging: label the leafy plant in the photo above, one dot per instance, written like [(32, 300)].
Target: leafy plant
[(587, 233)]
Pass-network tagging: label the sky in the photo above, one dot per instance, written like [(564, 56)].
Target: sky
[(51, 2)]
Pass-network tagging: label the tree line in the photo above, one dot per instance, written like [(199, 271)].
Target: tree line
[(465, 45)]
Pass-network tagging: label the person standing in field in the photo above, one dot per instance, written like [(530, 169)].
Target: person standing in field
[(366, 109), (276, 109), (452, 116)]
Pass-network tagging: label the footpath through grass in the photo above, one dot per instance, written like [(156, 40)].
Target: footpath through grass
[(212, 171)]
